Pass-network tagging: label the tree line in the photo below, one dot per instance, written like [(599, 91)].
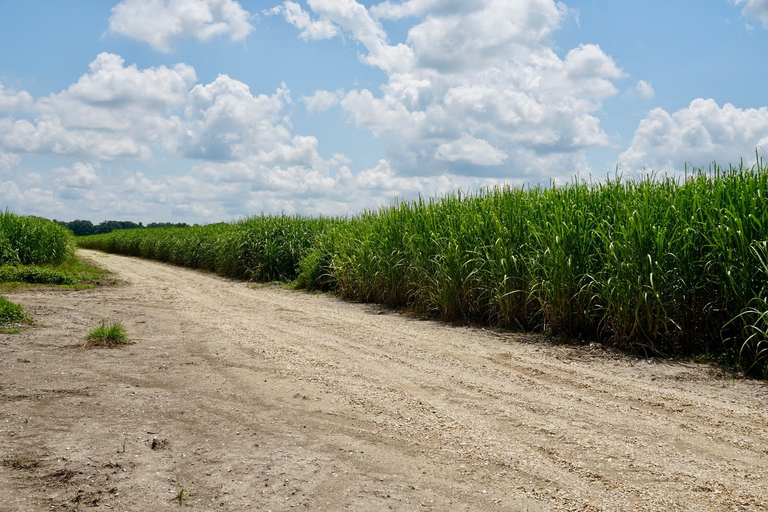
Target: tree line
[(85, 227)]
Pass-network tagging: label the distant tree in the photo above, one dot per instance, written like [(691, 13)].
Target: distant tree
[(86, 227), (80, 227), (167, 225), (113, 225)]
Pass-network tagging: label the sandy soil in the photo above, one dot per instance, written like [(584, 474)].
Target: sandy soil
[(261, 398)]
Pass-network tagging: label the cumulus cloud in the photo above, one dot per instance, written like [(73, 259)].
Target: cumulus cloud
[(37, 200), (242, 142), (476, 95), (697, 134), (80, 175), (476, 87), (478, 34), (225, 121), (322, 100), (159, 22), (49, 136), (335, 17), (756, 9), (413, 8), (114, 111), (470, 150), (110, 83), (81, 183), (11, 100), (299, 18), (8, 161), (643, 89), (319, 187)]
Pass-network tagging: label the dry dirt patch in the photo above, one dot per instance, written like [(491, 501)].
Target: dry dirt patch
[(235, 397)]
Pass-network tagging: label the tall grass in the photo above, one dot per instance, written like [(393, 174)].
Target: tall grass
[(33, 241), (656, 265), (266, 248)]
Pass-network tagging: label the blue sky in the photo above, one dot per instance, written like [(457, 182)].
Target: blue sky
[(209, 110)]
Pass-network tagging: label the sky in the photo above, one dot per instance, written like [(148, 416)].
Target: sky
[(202, 111)]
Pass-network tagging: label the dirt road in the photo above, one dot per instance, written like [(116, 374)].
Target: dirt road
[(236, 397)]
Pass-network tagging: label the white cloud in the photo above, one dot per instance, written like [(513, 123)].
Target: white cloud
[(112, 84), (114, 111), (240, 144), (325, 187), (225, 121), (757, 9), (697, 134), (336, 16), (476, 96), (299, 18), (30, 201), (470, 150), (643, 89), (11, 100), (477, 88), (158, 22), (80, 175), (480, 33), (8, 161), (412, 8), (322, 100), (10, 194), (117, 111), (591, 72), (48, 136)]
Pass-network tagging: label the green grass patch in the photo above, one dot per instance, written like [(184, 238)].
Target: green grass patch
[(88, 273), (75, 274), (12, 315), (108, 334), (36, 275)]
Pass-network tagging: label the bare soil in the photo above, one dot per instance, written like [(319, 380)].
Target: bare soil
[(238, 397)]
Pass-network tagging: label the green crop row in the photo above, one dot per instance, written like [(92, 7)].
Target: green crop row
[(267, 248), (33, 241), (656, 266)]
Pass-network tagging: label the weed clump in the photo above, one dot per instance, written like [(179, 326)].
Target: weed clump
[(11, 315), (36, 275), (108, 334)]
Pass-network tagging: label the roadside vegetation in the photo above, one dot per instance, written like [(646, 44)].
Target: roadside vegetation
[(12, 315), (108, 334), (37, 252), (266, 248), (30, 249), (28, 240), (657, 266), (85, 227)]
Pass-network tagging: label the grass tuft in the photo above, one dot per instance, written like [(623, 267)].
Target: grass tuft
[(11, 315), (108, 334)]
